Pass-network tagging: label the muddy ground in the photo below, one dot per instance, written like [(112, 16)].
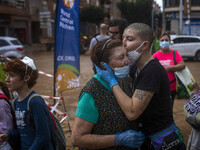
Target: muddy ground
[(44, 62)]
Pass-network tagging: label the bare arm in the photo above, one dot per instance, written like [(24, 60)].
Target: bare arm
[(132, 107), (82, 137), (90, 50), (178, 67)]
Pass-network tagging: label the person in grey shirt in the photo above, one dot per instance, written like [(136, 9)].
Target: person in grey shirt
[(103, 31)]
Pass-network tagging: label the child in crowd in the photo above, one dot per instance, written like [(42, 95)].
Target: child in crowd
[(34, 128)]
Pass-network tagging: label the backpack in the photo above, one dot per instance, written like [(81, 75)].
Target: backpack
[(59, 140), (192, 110)]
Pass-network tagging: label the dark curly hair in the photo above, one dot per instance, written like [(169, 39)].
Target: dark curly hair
[(103, 50), (18, 67)]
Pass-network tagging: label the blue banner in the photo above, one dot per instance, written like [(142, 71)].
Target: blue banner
[(67, 63)]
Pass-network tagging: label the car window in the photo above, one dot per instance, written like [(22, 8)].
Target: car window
[(178, 40), (186, 40), (3, 43), (15, 42), (194, 40)]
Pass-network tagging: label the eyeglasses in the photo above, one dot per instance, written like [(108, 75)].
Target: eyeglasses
[(114, 33), (105, 44)]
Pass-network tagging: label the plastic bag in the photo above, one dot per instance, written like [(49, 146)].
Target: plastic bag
[(186, 83), (192, 110)]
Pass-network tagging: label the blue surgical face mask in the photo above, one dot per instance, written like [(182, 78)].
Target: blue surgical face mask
[(121, 73), (164, 44)]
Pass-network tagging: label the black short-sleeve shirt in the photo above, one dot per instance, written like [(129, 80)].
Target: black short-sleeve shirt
[(158, 114)]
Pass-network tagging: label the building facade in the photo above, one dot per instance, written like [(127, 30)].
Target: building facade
[(189, 17), (22, 19)]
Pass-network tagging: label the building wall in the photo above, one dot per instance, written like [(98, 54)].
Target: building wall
[(114, 12), (15, 20), (173, 18), (174, 25), (20, 18)]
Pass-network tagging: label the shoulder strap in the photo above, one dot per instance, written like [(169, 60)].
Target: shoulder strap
[(96, 39), (174, 57), (28, 108), (33, 95), (3, 96), (13, 103)]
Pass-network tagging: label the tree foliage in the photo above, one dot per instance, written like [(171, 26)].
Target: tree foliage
[(92, 14), (136, 12)]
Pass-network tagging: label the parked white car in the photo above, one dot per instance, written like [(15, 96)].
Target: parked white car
[(187, 45), (11, 47)]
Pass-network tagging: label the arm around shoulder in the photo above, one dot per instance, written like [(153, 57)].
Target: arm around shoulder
[(133, 107)]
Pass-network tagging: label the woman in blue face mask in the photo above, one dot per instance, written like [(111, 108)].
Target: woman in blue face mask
[(100, 123), (166, 58)]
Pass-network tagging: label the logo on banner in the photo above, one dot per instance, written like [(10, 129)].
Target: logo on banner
[(67, 77), (68, 3)]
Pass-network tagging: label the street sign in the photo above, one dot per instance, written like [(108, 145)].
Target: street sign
[(45, 19)]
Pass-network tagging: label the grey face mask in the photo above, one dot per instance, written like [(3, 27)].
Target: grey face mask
[(134, 55)]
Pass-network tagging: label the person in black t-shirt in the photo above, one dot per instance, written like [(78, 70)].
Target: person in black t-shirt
[(151, 102)]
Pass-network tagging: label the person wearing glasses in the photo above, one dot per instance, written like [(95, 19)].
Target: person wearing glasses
[(166, 58), (100, 122), (116, 28)]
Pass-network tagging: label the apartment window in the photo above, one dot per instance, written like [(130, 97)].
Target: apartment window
[(195, 2), (8, 2), (45, 6), (172, 3), (20, 4)]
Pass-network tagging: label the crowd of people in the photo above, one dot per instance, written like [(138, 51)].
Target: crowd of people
[(127, 104)]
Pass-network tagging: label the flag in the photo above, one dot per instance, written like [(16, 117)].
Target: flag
[(66, 57)]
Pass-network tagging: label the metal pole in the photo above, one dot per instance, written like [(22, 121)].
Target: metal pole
[(188, 13), (152, 17), (181, 17), (163, 18)]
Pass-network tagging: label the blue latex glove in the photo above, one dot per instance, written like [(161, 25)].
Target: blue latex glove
[(129, 138), (107, 75)]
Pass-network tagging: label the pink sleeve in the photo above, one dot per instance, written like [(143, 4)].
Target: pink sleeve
[(178, 57)]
